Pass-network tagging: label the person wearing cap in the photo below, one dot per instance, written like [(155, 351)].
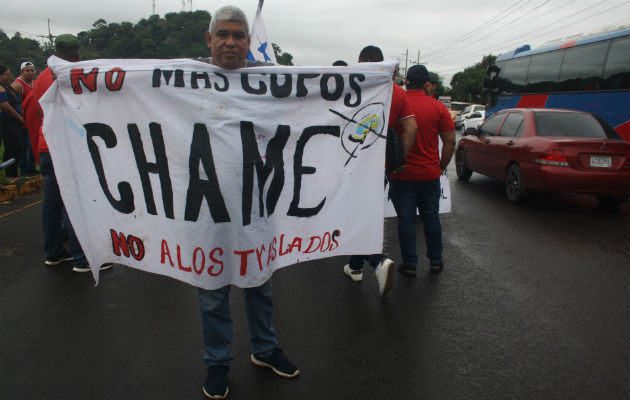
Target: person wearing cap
[(228, 39), (54, 217), (418, 185), (24, 86), (401, 116)]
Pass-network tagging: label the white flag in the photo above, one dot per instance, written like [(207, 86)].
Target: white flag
[(260, 48)]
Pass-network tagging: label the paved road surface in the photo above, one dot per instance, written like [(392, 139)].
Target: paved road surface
[(533, 304)]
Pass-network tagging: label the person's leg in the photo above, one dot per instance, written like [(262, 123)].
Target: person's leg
[(259, 308), (12, 147), (429, 200), (403, 197), (356, 262), (78, 256), (27, 162), (52, 213), (216, 323)]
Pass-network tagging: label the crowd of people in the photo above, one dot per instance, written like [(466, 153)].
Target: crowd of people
[(419, 119)]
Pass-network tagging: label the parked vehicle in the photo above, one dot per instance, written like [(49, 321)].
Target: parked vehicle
[(466, 112), (473, 120), (548, 149)]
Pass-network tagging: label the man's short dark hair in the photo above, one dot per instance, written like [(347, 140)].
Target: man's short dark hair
[(340, 63), (417, 75), (371, 54)]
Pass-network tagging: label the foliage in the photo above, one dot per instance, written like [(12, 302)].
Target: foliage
[(282, 57), (16, 50), (467, 85), (177, 35)]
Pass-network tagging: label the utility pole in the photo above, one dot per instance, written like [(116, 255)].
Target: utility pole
[(50, 36), (418, 60), (153, 8), (406, 59)]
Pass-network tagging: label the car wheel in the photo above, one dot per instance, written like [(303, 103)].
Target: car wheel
[(514, 184), (610, 201), (463, 172)]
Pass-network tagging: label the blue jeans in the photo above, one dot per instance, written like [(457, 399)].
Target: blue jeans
[(216, 323), (407, 196), (27, 160), (356, 262), (55, 222)]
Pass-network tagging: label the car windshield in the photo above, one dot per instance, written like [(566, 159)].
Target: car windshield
[(572, 124)]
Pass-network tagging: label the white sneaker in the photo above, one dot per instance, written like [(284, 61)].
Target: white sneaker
[(355, 275), (385, 276)]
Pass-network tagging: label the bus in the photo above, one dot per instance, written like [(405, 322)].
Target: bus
[(590, 74)]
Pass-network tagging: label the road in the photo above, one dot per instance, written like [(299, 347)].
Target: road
[(532, 304)]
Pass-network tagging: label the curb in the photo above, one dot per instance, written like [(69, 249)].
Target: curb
[(32, 185)]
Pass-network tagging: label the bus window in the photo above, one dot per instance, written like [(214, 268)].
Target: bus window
[(616, 73), (513, 75), (543, 72), (582, 68)]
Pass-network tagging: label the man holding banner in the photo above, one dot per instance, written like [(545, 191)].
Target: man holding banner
[(419, 184), (228, 39), (211, 173)]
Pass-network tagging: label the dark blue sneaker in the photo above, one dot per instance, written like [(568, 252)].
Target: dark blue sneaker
[(215, 386), (406, 269), (278, 364), (436, 267)]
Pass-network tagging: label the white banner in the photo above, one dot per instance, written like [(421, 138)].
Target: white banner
[(260, 48), (218, 177)]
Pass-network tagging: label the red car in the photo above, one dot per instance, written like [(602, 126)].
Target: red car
[(548, 149)]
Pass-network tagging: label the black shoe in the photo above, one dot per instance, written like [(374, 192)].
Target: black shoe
[(278, 364), (436, 267), (215, 386), (57, 260), (86, 267), (409, 270)]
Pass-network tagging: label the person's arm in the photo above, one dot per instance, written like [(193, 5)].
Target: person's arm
[(448, 148), (17, 87), (6, 107), (410, 128)]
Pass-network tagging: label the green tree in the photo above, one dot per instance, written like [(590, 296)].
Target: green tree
[(467, 84), (282, 57)]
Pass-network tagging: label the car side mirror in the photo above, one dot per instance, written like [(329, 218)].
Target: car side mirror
[(470, 132)]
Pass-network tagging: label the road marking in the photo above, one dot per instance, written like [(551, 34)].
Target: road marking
[(21, 209)]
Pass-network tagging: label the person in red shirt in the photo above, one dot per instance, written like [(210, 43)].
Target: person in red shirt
[(24, 86), (401, 115), (419, 183), (54, 217)]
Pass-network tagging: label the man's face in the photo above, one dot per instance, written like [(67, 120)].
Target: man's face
[(229, 44), (28, 73)]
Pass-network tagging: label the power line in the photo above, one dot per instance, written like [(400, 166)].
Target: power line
[(504, 45), (479, 28), (503, 27)]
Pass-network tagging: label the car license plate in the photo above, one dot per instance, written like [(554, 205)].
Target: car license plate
[(601, 162)]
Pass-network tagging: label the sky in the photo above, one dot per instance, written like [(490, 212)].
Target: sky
[(446, 36)]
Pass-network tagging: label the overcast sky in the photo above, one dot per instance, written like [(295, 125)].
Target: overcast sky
[(448, 35)]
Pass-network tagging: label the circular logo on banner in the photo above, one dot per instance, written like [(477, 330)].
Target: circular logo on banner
[(364, 128)]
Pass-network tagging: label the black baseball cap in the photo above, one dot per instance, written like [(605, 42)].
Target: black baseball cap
[(417, 75)]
